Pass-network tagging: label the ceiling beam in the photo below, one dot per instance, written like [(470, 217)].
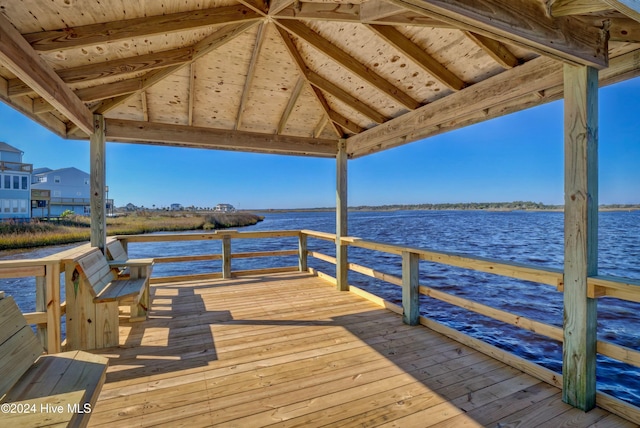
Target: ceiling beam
[(250, 74), (575, 7), (208, 138), (620, 29), (360, 13), (631, 8), (496, 50), (113, 68), (276, 6), (20, 58), (345, 60), (293, 99), (537, 74), (192, 92), (337, 121), (523, 23), (499, 95), (208, 44), (87, 35), (419, 56)]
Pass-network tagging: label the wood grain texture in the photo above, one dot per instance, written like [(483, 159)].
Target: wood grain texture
[(581, 234)]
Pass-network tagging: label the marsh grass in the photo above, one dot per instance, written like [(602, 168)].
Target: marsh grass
[(14, 235)]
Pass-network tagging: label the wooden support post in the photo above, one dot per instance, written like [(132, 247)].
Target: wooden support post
[(410, 288), (52, 287), (581, 234), (342, 268), (41, 306), (98, 183), (226, 256), (302, 252)]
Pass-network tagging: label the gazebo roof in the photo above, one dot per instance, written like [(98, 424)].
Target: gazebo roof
[(296, 77)]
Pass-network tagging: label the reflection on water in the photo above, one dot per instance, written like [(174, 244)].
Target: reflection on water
[(534, 238)]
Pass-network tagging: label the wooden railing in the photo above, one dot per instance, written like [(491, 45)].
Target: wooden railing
[(49, 309), (599, 286), (226, 255)]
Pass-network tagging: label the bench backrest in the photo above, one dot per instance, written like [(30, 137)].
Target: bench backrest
[(96, 269), (19, 347), (116, 251)]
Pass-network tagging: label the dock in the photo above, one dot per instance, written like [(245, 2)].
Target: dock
[(288, 350)]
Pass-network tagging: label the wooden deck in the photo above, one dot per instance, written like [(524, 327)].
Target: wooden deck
[(288, 350)]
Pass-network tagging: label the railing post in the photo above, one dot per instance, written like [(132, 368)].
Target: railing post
[(226, 256), (342, 263), (41, 306), (54, 334), (302, 252), (410, 288)]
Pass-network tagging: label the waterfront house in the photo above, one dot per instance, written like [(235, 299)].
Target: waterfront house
[(338, 80), (224, 208), (67, 189), (15, 183)]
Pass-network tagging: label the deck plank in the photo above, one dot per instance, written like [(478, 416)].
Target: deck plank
[(287, 350)]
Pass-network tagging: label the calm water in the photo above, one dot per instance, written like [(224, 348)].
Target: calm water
[(528, 237)]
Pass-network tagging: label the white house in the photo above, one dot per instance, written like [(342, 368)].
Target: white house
[(224, 208), (69, 189), (15, 182), (176, 207)]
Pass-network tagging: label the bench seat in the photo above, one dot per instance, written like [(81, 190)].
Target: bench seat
[(121, 289)]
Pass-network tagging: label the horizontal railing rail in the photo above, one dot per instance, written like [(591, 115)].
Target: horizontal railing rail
[(226, 256)]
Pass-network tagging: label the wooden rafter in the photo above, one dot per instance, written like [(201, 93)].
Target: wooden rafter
[(527, 24), (258, 6), (373, 10), (496, 50), (352, 101), (631, 8), (192, 92), (419, 56), (112, 68), (190, 136), (88, 35), (620, 29), (575, 7), (20, 58), (250, 74), (345, 60), (293, 99), (205, 46), (317, 131), (337, 121), (499, 95), (539, 74), (309, 11), (275, 6), (145, 106)]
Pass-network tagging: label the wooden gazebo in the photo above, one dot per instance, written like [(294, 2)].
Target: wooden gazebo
[(330, 79)]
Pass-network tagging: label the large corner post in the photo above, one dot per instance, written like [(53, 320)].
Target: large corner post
[(342, 266), (98, 184), (580, 234)]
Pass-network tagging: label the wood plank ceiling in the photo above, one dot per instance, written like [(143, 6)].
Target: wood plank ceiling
[(294, 77)]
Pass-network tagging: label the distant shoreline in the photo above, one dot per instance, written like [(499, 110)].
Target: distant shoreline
[(491, 207)]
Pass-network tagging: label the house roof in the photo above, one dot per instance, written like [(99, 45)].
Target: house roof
[(47, 171), (4, 147), (298, 77)]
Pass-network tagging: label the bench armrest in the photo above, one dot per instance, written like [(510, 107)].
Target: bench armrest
[(131, 262)]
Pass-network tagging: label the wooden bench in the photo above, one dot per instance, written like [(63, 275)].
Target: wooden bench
[(124, 266), (94, 294), (38, 390)]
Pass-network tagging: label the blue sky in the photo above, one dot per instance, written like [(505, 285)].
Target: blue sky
[(516, 157)]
